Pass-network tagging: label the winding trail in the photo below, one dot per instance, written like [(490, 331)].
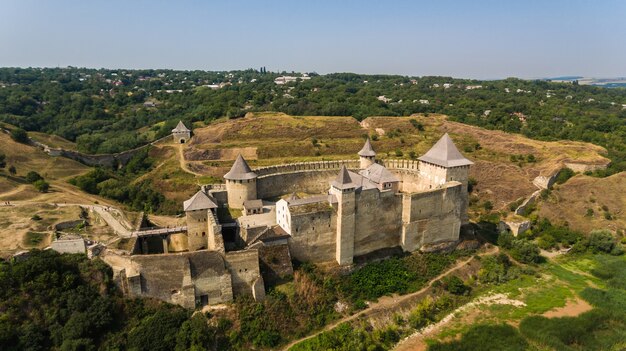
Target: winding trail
[(183, 164), (388, 302)]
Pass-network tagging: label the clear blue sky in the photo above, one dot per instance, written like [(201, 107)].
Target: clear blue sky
[(475, 39)]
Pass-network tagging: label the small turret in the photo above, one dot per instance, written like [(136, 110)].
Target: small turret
[(240, 183), (181, 133), (367, 155)]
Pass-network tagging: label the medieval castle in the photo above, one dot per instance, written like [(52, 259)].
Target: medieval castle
[(325, 211)]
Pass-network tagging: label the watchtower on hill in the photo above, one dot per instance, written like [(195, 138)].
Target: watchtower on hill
[(181, 133)]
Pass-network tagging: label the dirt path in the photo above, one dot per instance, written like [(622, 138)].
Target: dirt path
[(14, 191), (183, 164), (387, 302)]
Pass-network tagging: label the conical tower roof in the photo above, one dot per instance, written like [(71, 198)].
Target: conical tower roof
[(367, 150), (343, 180), (200, 201), (180, 127), (240, 170), (444, 153)]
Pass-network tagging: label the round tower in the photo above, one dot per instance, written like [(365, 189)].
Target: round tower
[(367, 156), (240, 183)]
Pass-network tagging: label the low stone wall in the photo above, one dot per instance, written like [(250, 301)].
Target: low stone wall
[(585, 167), (544, 182), (106, 160), (532, 199)]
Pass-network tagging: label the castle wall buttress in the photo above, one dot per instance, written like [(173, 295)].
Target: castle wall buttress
[(432, 216), (346, 225), (377, 221)]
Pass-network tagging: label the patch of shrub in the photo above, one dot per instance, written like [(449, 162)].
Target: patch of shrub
[(19, 135), (455, 285), (564, 174), (33, 176), (501, 337), (42, 186)]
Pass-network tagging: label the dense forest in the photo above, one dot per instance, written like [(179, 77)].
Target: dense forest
[(113, 110)]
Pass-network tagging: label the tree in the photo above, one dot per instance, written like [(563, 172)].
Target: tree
[(12, 170), (487, 205), (42, 186), (19, 135), (33, 176), (3, 162), (525, 251)]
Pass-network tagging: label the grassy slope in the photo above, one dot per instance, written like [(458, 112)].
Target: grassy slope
[(559, 283), (569, 202)]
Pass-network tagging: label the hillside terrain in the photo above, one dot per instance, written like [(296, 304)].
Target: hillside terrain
[(105, 111), (269, 139), (502, 170), (18, 228)]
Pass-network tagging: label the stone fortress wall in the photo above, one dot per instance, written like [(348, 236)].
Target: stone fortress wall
[(425, 207)]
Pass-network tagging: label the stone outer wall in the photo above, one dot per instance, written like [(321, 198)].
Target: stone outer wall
[(431, 216), (378, 221), (244, 270), (308, 177), (532, 199), (313, 236), (275, 262), (586, 167), (182, 278), (544, 182)]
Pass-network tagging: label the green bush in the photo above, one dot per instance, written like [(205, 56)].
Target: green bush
[(455, 285), (525, 251), (564, 174), (42, 186), (33, 176), (501, 337), (497, 269), (19, 135)]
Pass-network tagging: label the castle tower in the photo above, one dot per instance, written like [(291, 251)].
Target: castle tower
[(367, 156), (344, 189), (181, 133), (200, 234), (444, 163), (240, 183)]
